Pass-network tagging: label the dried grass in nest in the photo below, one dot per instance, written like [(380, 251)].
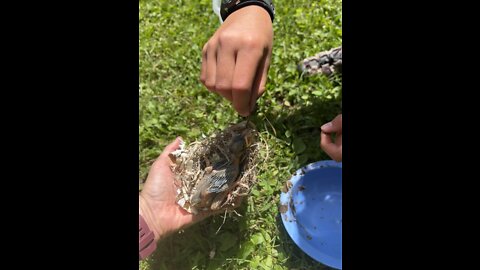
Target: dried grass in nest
[(190, 163)]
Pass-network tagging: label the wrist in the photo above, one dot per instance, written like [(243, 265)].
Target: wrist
[(230, 6), (146, 212)]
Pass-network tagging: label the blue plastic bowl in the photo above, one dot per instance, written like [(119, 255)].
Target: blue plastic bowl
[(312, 211)]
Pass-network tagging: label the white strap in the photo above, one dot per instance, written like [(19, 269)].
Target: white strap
[(216, 8)]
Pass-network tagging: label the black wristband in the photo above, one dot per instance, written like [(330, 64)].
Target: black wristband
[(230, 6)]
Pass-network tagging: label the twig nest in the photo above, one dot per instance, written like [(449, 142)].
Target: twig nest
[(215, 173)]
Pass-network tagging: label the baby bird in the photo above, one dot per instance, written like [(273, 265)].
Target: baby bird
[(219, 180)]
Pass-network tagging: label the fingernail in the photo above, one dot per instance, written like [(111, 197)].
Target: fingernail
[(326, 126), (180, 139)]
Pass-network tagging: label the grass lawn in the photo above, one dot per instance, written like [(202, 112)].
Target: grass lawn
[(173, 102)]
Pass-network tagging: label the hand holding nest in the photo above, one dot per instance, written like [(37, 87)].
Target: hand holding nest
[(157, 200)]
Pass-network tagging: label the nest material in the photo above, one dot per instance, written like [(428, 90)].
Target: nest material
[(190, 163)]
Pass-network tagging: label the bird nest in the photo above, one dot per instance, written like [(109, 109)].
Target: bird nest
[(193, 164)]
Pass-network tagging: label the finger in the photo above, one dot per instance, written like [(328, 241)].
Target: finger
[(173, 145), (211, 65), (205, 214), (332, 150), (325, 139), (226, 67), (200, 216), (260, 81), (170, 148), (203, 71), (186, 219), (334, 126), (243, 79), (338, 139)]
